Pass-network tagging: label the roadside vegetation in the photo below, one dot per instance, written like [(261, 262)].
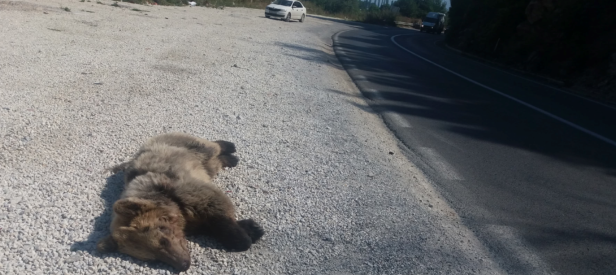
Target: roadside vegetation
[(570, 40), (419, 8)]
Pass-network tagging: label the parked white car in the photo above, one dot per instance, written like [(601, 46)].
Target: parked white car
[(287, 9)]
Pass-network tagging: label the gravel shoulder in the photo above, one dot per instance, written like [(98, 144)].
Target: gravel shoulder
[(81, 90)]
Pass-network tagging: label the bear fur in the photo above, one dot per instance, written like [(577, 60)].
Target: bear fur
[(168, 194)]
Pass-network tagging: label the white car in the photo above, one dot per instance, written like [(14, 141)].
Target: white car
[(287, 9)]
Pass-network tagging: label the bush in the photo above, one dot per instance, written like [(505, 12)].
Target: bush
[(419, 8), (380, 17), (571, 40), (350, 7)]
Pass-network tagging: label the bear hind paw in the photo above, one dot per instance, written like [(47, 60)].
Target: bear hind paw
[(252, 228), (228, 160), (226, 147)]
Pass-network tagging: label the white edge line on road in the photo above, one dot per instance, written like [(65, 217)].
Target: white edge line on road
[(531, 80), (580, 128)]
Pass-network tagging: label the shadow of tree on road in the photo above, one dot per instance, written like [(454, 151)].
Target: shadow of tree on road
[(578, 213)]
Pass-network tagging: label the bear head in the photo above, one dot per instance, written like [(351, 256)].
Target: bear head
[(147, 231)]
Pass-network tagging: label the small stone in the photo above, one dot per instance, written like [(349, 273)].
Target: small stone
[(72, 259), (15, 200)]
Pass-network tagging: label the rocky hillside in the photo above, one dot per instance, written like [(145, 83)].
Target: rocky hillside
[(570, 40)]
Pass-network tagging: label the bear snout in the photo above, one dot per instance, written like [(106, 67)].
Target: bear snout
[(183, 266), (175, 253), (179, 263)]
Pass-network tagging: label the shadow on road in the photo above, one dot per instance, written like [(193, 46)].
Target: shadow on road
[(570, 222)]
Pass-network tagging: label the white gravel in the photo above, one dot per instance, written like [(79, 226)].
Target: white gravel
[(81, 90)]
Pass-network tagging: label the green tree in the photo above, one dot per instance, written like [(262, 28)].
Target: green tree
[(434, 5), (419, 8), (408, 8), (339, 6)]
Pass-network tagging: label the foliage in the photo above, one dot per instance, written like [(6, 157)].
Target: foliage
[(380, 17), (339, 6), (419, 8), (565, 39)]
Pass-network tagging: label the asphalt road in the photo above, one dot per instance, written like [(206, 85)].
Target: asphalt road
[(530, 169)]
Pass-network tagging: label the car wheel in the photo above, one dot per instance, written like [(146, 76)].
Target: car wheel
[(267, 16), (288, 19), (303, 18)]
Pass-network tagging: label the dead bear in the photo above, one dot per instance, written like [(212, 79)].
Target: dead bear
[(168, 193)]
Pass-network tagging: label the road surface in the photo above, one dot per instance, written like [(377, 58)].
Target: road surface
[(531, 169)]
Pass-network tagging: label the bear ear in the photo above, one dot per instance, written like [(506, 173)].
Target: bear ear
[(131, 207), (107, 245)]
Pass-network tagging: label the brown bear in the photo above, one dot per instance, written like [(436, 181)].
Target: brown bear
[(168, 193)]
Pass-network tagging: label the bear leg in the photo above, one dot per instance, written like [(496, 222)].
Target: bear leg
[(229, 233)]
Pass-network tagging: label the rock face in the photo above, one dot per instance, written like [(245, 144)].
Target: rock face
[(570, 40)]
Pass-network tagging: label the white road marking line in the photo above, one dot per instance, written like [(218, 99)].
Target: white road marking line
[(580, 128), (439, 164), (538, 83), (398, 119)]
